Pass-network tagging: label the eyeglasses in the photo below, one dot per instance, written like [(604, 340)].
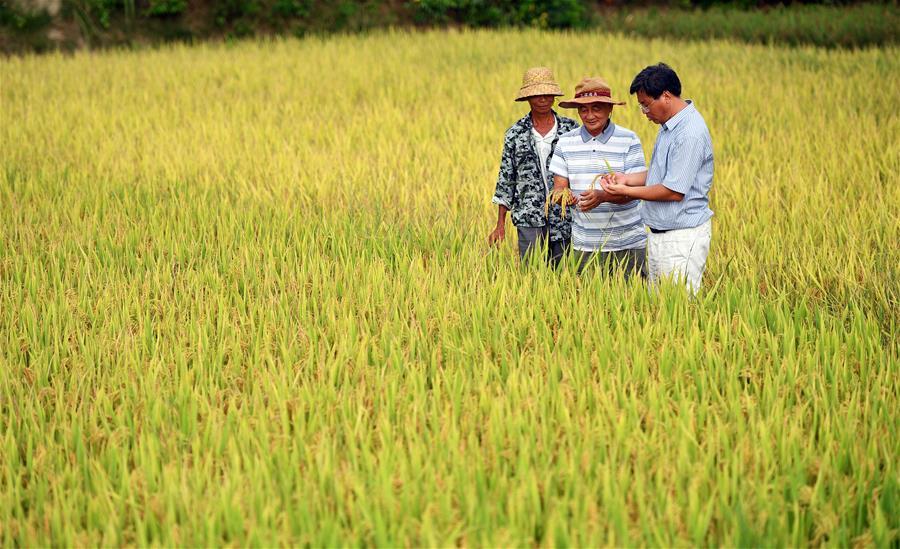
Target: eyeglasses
[(646, 108)]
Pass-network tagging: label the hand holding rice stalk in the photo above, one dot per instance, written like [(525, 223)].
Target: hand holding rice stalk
[(601, 175), (609, 176), (562, 196), (609, 172)]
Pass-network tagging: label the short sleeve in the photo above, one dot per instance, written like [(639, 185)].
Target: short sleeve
[(634, 158), (558, 164), (683, 164)]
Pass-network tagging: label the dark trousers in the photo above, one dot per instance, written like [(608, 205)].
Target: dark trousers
[(535, 240), (632, 262)]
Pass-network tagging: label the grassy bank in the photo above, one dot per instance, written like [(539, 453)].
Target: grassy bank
[(100, 24), (826, 26)]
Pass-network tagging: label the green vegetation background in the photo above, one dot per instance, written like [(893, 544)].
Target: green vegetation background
[(101, 23)]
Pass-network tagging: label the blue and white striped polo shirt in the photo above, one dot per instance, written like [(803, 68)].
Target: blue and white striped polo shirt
[(579, 157), (683, 162)]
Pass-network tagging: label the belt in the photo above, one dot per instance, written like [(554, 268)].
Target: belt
[(659, 231)]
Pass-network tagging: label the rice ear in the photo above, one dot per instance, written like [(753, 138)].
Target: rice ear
[(608, 167)]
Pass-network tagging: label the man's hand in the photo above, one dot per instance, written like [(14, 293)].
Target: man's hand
[(588, 200), (615, 185), (497, 236), (499, 233), (561, 194), (561, 184), (614, 179)]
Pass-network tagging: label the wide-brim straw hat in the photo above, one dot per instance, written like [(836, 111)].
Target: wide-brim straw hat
[(538, 81), (590, 90)]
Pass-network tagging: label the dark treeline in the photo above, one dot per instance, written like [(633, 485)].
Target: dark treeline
[(40, 25)]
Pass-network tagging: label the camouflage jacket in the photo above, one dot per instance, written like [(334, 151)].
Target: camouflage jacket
[(520, 185)]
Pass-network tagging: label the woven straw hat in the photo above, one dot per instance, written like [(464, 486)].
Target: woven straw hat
[(590, 90), (538, 81)]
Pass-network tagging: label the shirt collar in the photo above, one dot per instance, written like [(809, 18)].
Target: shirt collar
[(526, 123), (682, 114), (550, 134), (603, 137)]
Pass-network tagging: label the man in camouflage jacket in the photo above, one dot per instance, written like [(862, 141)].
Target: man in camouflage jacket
[(524, 179)]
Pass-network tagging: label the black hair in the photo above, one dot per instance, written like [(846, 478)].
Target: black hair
[(656, 79)]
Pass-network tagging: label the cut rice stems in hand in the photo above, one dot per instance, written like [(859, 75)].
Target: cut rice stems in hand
[(559, 196)]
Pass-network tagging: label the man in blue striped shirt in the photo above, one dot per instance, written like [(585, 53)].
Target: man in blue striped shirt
[(607, 228), (675, 190)]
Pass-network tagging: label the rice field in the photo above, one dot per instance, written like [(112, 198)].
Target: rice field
[(246, 299)]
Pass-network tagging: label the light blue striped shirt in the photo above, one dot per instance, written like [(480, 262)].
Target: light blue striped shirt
[(579, 157), (682, 161)]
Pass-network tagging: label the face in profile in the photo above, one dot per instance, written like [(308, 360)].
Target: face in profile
[(652, 108)]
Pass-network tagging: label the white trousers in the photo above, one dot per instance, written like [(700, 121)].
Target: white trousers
[(679, 254)]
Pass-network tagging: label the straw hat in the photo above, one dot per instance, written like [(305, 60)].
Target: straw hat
[(538, 81), (590, 90)]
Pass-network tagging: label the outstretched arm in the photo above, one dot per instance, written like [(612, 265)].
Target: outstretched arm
[(638, 179), (588, 200), (656, 193)]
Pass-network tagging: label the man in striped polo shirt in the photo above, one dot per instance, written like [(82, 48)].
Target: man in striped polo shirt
[(601, 224), (676, 189)]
